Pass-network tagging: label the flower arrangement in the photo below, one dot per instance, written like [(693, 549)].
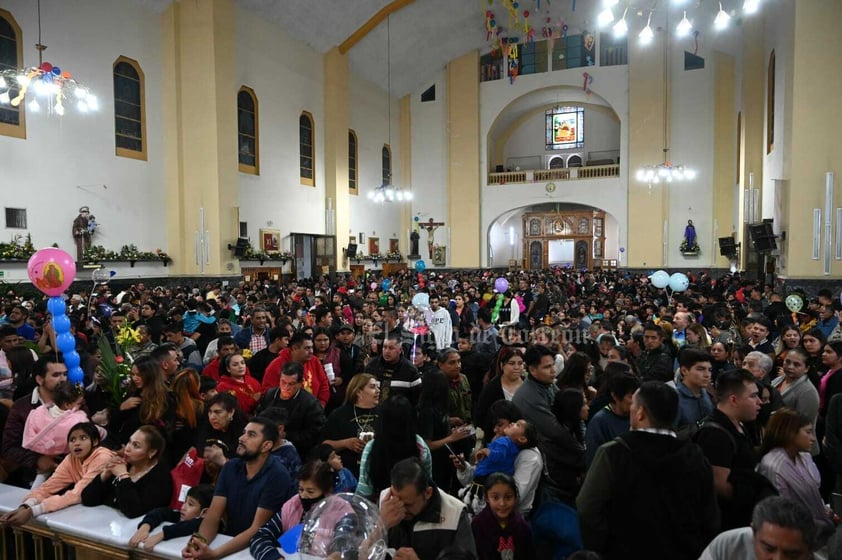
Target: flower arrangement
[(20, 247), (688, 248), (116, 367), (394, 255), (98, 253), (257, 255)]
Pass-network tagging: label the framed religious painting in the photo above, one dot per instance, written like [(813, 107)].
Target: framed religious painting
[(394, 245), (270, 240)]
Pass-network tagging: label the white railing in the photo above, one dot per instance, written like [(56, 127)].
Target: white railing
[(545, 175)]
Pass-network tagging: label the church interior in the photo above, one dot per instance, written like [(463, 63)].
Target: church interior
[(502, 134)]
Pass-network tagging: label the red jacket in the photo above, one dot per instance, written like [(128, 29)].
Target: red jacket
[(212, 370), (315, 379), (248, 393)]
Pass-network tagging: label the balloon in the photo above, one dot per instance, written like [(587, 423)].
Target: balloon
[(420, 266), (679, 282), (373, 285), (421, 300), (794, 303), (65, 341), (56, 70), (46, 67), (501, 285), (51, 270), (355, 533), (101, 275), (289, 540), (495, 313), (386, 284), (384, 299), (486, 297), (61, 323), (660, 279)]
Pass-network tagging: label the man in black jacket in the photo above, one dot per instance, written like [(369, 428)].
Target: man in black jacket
[(655, 362), (647, 493), (396, 374), (306, 415)]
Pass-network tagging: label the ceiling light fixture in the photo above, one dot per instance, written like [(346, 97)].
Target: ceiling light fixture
[(684, 26), (646, 34), (605, 17), (665, 171), (621, 27), (751, 6), (721, 20), (53, 85), (387, 192)]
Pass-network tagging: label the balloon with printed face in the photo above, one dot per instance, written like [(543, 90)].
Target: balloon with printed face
[(51, 270), (386, 284), (660, 279), (794, 303), (679, 282), (420, 266)]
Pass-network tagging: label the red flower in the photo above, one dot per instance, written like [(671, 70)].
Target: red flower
[(119, 359)]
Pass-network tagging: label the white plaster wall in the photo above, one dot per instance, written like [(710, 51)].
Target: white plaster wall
[(67, 162), (609, 87), (691, 143), (288, 77), (429, 161), (529, 139), (369, 118)]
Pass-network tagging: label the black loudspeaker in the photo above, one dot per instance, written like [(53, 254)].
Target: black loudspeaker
[(351, 251), (762, 236), (727, 246), (241, 246)]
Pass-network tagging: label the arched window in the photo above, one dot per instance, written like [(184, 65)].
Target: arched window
[(129, 109), (248, 145), (306, 148), (770, 104), (12, 119), (387, 164), (353, 171), (574, 161)]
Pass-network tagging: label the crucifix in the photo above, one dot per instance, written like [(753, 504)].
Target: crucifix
[(431, 227)]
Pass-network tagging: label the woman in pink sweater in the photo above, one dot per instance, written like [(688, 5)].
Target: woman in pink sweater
[(85, 461)]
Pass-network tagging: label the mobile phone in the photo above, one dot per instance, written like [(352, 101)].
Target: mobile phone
[(450, 449)]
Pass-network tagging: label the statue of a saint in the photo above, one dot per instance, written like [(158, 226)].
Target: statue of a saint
[(689, 245), (414, 237), (82, 232)]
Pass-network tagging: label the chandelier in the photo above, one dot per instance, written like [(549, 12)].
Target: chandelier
[(54, 87), (387, 192), (666, 171)]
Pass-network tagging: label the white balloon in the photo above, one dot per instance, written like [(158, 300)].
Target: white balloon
[(660, 279), (679, 282)]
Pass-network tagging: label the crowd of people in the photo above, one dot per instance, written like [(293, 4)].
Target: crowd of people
[(567, 415)]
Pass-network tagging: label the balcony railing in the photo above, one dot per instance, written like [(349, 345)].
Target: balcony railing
[(545, 175)]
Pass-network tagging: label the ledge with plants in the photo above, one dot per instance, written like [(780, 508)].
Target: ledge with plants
[(128, 253), (19, 249), (378, 257), (251, 254)]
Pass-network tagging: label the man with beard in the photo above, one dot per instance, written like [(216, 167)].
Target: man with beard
[(250, 489)]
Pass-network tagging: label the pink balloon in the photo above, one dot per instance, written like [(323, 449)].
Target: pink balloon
[(373, 286), (51, 270)]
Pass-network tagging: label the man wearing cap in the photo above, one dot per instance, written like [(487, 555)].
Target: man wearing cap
[(351, 356)]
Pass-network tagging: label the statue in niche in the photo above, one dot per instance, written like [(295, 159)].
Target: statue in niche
[(690, 245), (84, 227), (414, 237)]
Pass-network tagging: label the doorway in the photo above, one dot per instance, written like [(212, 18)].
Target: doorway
[(315, 255)]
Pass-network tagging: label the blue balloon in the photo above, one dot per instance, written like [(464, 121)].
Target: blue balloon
[(289, 540), (386, 284), (660, 279), (679, 282), (56, 306), (420, 266), (61, 323), (65, 342), (71, 359), (76, 375)]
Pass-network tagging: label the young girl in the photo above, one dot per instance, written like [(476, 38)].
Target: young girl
[(500, 531), (344, 479), (47, 427), (85, 461), (315, 483)]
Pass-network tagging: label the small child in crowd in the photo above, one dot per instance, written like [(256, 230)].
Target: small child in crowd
[(184, 522), (284, 449), (47, 427), (344, 479), (500, 532)]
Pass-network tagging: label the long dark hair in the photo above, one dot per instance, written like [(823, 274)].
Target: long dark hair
[(394, 439), (434, 392), (567, 408)]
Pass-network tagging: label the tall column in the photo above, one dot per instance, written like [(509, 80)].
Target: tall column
[(648, 205), (815, 136), (725, 145), (463, 179), (200, 134), (752, 108), (405, 169), (336, 119)]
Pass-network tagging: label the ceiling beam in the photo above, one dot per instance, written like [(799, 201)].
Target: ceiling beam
[(373, 22)]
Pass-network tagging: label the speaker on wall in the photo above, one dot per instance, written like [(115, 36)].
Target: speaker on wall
[(240, 247), (765, 244), (727, 246), (351, 251), (760, 230)]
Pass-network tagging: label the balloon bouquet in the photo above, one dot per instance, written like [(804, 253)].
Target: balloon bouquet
[(52, 270), (501, 285), (675, 283)]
